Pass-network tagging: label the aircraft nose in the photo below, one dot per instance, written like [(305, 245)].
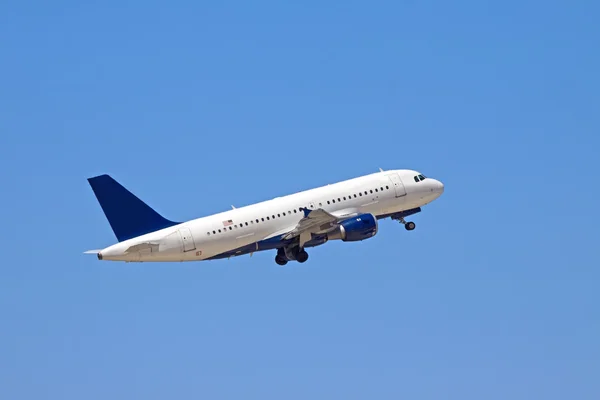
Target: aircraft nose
[(438, 186)]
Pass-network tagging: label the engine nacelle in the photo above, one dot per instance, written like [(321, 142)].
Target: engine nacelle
[(355, 229)]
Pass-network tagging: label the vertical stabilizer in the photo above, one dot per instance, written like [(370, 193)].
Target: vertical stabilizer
[(127, 215)]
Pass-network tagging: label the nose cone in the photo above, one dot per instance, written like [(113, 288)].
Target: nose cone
[(438, 186), (434, 189)]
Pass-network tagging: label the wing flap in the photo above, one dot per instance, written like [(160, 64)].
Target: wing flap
[(317, 221)]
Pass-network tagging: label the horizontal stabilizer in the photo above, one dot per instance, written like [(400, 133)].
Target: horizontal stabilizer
[(127, 215), (92, 252)]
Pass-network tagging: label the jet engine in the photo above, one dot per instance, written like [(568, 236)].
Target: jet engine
[(355, 229)]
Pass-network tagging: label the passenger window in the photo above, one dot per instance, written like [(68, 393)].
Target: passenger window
[(328, 202), (375, 189), (246, 224), (208, 233), (294, 211), (355, 195), (230, 229), (387, 187), (371, 191), (366, 193), (284, 214), (333, 201), (278, 216), (219, 231), (360, 194), (268, 219), (381, 189), (214, 232), (344, 198), (273, 216), (339, 199)]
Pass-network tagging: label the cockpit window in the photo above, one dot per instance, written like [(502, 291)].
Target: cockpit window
[(419, 178), (422, 177), (416, 178)]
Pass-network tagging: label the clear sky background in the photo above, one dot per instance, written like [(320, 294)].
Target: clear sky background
[(195, 106)]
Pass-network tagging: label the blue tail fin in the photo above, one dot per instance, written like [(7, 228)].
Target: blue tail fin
[(128, 216)]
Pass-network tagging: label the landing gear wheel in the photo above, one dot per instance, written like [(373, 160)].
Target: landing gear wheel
[(409, 226), (280, 260), (302, 256)]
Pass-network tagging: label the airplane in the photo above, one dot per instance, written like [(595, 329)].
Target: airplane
[(348, 211)]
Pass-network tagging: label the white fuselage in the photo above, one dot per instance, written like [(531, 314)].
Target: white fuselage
[(380, 193)]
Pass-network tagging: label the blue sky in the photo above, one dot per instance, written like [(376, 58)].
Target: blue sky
[(196, 106)]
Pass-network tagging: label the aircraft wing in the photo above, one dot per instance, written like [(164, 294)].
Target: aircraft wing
[(317, 221)]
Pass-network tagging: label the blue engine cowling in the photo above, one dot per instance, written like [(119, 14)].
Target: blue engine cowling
[(355, 229)]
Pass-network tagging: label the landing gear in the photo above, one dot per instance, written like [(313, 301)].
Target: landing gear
[(302, 256), (287, 254), (280, 260), (409, 226)]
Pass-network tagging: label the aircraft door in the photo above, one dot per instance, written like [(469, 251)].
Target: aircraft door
[(187, 239), (398, 185)]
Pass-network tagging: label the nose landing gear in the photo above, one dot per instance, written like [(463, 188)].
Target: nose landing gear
[(399, 216), (409, 226)]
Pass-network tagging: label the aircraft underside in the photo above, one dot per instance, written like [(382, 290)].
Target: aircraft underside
[(289, 250)]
